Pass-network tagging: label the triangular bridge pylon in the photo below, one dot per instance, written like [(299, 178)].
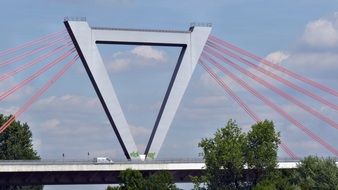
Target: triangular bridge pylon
[(191, 42)]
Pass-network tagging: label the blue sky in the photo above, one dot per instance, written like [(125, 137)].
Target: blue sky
[(300, 35)]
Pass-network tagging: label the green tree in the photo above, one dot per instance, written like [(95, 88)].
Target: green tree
[(134, 180), (317, 173), (16, 144), (131, 179), (261, 152), (230, 150), (224, 156), (161, 180), (200, 182), (277, 180)]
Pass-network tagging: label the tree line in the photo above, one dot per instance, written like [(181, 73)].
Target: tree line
[(234, 160)]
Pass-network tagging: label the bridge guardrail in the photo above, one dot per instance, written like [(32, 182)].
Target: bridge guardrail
[(90, 161), (75, 18)]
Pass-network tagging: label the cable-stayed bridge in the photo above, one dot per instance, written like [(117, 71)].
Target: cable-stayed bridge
[(197, 47)]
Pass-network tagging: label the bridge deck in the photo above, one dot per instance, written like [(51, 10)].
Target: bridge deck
[(87, 172)]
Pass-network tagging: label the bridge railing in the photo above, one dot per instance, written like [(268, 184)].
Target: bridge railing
[(75, 19), (119, 161)]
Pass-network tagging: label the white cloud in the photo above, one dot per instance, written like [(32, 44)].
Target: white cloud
[(118, 54), (124, 60), (325, 110), (68, 103), (314, 61), (138, 131), (277, 57), (50, 124), (149, 52), (210, 101), (8, 110), (118, 65), (320, 33), (22, 92)]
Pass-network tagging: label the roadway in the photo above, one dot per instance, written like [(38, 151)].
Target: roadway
[(89, 172)]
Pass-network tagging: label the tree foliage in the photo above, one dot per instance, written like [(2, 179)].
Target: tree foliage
[(161, 180), (311, 173), (261, 152), (16, 144), (230, 150), (224, 157), (317, 173), (131, 180), (277, 180), (134, 180)]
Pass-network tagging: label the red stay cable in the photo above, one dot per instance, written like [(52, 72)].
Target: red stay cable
[(273, 88), (275, 66), (31, 43), (31, 63), (244, 106), (41, 91), (228, 90), (274, 106), (274, 76), (36, 74), (29, 53)]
